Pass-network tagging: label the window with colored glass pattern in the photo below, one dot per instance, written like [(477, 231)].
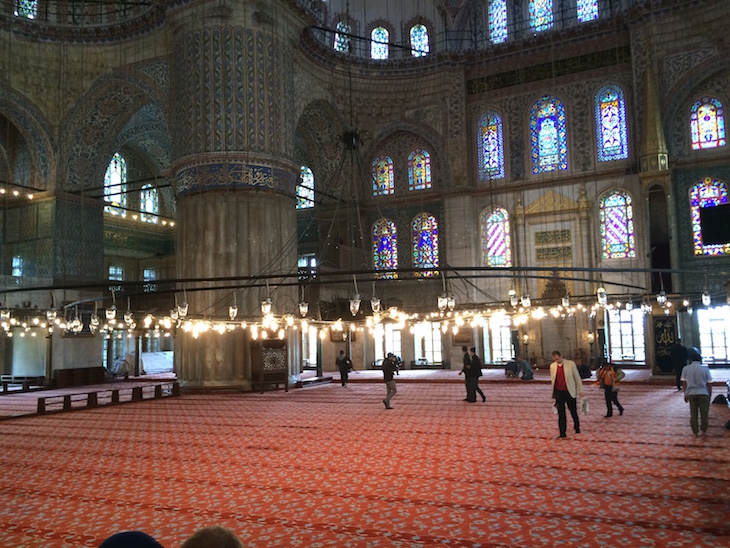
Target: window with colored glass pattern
[(495, 236), (385, 248), (498, 21), (617, 226), (115, 186), (305, 188), (587, 10), (419, 41), (541, 15), (707, 124), (419, 170), (549, 137), (379, 43), (611, 132), (490, 151), (383, 181), (342, 38), (424, 230), (705, 194)]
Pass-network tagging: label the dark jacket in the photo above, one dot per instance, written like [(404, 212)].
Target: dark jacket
[(476, 366), (389, 367)]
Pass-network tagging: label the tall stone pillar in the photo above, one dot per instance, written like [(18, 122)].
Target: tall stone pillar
[(232, 114)]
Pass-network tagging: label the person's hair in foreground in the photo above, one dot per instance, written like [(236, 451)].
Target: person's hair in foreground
[(214, 536)]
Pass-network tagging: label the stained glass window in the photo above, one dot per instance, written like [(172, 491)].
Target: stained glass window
[(342, 38), (541, 15), (491, 147), (16, 268), (707, 193), (149, 204), (305, 188), (611, 134), (385, 248), (617, 226), (26, 8), (496, 250), (383, 182), (419, 170), (498, 21), (549, 136), (379, 43), (150, 275), (707, 123), (425, 243), (587, 10), (115, 186), (419, 41)]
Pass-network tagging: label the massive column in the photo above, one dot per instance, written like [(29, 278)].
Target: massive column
[(233, 109)]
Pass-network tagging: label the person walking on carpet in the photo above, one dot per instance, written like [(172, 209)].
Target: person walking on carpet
[(344, 364), (567, 387), (465, 370), (697, 385), (609, 379), (678, 356), (475, 371), (389, 368)]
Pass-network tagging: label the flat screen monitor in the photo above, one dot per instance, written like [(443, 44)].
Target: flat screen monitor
[(715, 224)]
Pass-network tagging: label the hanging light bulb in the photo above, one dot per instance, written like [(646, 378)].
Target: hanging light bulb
[(173, 314), (525, 300), (232, 312), (303, 308), (565, 301), (4, 314), (451, 303), (629, 305), (706, 298), (375, 304), (51, 315), (182, 309), (601, 296), (266, 306), (442, 302), (355, 304), (513, 299), (661, 297), (128, 318)]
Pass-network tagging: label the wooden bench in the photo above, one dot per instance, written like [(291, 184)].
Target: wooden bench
[(87, 400), (26, 382)]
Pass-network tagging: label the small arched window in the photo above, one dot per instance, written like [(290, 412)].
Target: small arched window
[(709, 229), (419, 40), (383, 182), (497, 21), (587, 10), (611, 133), (707, 123), (149, 204), (385, 248), (495, 232), (617, 226), (305, 188), (115, 186), (419, 170), (541, 15), (342, 37), (491, 146), (548, 135), (379, 43), (424, 230)]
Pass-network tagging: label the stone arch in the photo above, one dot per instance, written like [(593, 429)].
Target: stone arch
[(321, 145), (38, 133), (418, 133), (93, 126)]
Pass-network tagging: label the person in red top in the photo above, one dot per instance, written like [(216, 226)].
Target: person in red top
[(567, 387)]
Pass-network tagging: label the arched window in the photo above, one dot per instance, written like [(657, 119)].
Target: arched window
[(149, 204), (419, 40), (424, 230), (491, 146), (541, 15), (496, 250), (115, 186), (379, 43), (26, 8), (709, 228), (305, 188), (342, 38), (498, 21), (617, 226), (611, 135), (419, 170), (383, 182), (707, 123), (385, 248), (587, 10), (549, 136)]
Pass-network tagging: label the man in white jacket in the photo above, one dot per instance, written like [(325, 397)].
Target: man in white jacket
[(567, 387)]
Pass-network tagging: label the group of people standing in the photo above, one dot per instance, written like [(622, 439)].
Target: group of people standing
[(472, 370)]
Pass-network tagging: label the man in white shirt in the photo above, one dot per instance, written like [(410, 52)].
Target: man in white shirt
[(567, 386), (697, 385)]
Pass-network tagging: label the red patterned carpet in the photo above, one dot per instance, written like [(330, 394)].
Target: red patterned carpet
[(329, 466)]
